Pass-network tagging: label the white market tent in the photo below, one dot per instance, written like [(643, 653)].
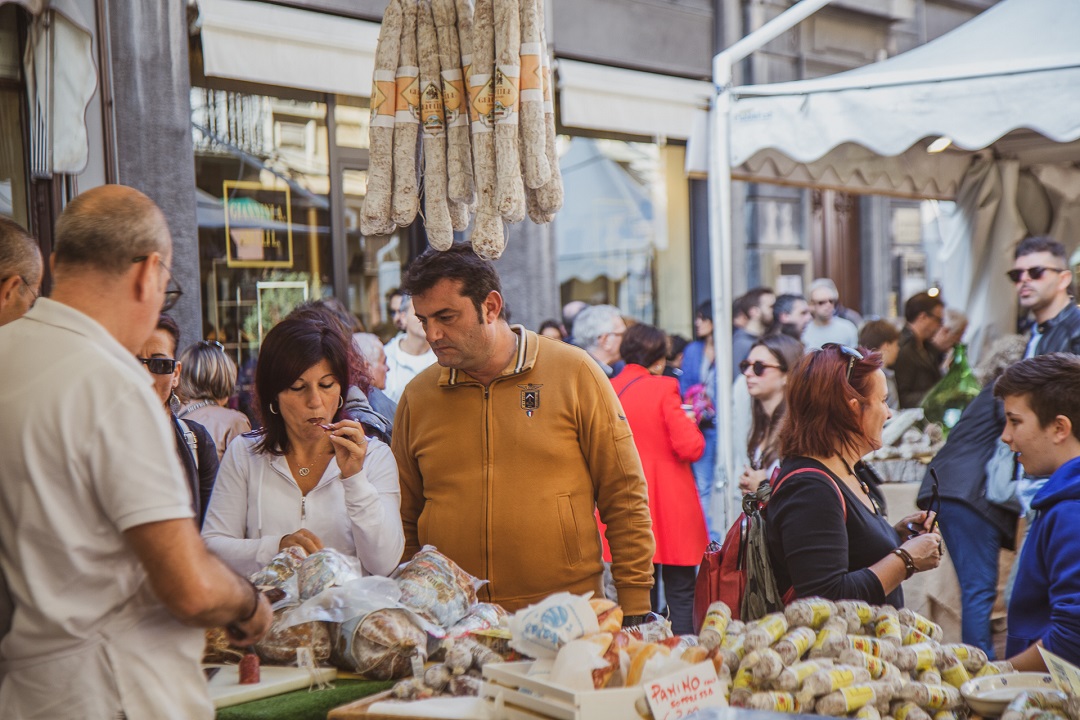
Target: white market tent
[(1004, 87)]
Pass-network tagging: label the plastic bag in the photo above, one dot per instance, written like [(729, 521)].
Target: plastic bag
[(482, 616), (382, 645), (436, 588), (281, 641), (325, 569), (539, 630), (281, 573)]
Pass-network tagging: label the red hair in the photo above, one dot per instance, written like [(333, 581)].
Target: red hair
[(820, 421)]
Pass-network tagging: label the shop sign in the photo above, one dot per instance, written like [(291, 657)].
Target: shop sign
[(258, 225)]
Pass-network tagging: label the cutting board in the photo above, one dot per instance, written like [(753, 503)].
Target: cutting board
[(226, 690)]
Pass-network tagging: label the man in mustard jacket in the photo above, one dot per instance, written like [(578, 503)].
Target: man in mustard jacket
[(506, 446)]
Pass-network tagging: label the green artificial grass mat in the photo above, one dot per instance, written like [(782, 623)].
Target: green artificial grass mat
[(304, 704)]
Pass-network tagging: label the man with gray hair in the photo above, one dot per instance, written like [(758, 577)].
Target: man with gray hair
[(599, 330), (106, 579), (827, 326), (20, 271)]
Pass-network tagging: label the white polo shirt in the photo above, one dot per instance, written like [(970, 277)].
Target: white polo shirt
[(85, 454)]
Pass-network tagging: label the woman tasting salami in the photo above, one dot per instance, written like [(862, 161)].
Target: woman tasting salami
[(826, 527), (308, 478)]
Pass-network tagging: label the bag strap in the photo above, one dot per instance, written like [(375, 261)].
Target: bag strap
[(191, 440), (640, 377), (827, 476)]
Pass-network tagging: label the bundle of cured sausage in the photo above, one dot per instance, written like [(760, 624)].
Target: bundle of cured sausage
[(461, 114)]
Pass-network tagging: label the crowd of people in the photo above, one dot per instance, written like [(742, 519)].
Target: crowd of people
[(578, 458)]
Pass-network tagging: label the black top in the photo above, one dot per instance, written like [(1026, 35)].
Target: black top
[(917, 368), (1061, 333), (961, 463), (200, 476), (813, 549)]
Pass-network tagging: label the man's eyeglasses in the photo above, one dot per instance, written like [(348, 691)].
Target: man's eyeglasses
[(172, 290), (826, 301), (1035, 273), (758, 367), (29, 287), (33, 292), (852, 355), (159, 366)]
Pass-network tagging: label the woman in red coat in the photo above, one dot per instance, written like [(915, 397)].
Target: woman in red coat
[(668, 440)]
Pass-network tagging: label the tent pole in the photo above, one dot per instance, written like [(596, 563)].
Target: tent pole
[(721, 239)]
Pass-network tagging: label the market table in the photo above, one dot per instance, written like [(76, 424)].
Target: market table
[(304, 704)]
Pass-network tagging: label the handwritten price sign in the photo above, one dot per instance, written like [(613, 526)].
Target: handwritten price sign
[(678, 695)]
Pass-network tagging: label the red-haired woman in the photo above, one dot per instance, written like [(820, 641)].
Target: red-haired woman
[(827, 532), (668, 441)]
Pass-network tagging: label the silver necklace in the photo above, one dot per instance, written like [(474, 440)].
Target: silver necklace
[(304, 472)]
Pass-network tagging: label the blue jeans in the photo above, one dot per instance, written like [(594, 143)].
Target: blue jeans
[(705, 477), (975, 545)]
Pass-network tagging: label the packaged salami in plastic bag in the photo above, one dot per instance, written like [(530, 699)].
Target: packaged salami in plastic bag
[(482, 616), (281, 573), (436, 588), (325, 569), (281, 641), (382, 645)]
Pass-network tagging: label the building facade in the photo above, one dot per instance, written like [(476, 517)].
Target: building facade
[(247, 122)]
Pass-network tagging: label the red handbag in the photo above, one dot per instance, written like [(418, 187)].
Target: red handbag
[(722, 573)]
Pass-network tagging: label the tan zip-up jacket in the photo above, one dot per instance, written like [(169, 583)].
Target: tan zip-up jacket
[(504, 479)]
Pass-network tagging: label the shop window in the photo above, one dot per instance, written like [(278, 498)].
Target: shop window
[(13, 201), (262, 177), (612, 223)]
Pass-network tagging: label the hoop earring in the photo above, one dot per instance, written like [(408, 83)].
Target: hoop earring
[(340, 402), (272, 410)]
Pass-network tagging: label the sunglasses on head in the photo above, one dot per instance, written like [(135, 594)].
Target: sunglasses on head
[(159, 366), (1035, 273), (758, 367), (851, 354)]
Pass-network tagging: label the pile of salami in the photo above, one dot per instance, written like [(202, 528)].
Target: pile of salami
[(461, 105), (355, 624)]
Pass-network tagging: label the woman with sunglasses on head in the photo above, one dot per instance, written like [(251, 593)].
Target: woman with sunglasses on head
[(766, 370), (194, 446), (207, 381), (309, 478), (668, 441), (826, 528)]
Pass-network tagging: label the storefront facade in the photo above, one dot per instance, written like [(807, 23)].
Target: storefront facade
[(246, 122)]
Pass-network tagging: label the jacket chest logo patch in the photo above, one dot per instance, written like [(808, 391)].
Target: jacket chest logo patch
[(530, 398)]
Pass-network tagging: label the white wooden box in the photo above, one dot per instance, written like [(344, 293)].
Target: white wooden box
[(512, 694)]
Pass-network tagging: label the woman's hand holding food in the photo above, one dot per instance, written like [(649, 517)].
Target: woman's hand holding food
[(925, 550), (350, 446), (302, 538)]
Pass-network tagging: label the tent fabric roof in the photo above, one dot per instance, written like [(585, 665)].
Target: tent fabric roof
[(1008, 79)]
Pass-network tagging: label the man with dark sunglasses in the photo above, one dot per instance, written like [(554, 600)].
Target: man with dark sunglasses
[(1043, 282), (106, 579), (20, 271)]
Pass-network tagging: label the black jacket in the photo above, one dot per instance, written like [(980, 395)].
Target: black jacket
[(961, 463), (202, 474), (1061, 333), (917, 369)]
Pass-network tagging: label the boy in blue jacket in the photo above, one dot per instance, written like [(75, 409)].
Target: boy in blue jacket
[(1042, 411)]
